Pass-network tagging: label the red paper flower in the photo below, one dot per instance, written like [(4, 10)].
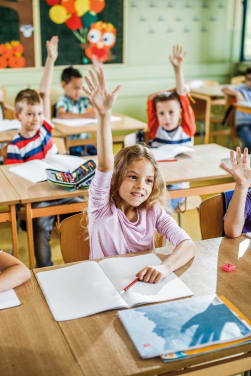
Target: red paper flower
[(69, 5), (97, 5), (17, 62), (52, 2), (2, 48), (3, 62), (74, 22)]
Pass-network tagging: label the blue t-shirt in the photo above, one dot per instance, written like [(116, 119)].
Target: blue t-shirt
[(242, 118), (247, 212)]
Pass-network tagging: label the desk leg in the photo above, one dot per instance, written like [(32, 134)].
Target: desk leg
[(13, 219), (207, 121), (30, 238)]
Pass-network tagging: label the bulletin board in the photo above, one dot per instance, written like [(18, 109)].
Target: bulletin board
[(84, 28)]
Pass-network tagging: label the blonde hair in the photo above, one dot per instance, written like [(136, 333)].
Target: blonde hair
[(28, 96), (121, 163)]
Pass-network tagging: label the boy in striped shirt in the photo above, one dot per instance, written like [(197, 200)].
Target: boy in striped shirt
[(34, 141)]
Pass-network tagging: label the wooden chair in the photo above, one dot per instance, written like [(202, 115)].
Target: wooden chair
[(237, 80), (211, 217), (59, 142), (74, 238)]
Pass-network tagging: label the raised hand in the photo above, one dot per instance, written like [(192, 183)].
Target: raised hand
[(240, 169), (52, 48), (97, 91), (177, 57)]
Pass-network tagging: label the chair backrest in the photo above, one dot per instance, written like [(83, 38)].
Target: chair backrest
[(59, 142), (74, 238), (237, 80), (3, 152), (211, 217)]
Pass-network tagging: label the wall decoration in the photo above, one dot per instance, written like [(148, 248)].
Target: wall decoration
[(85, 28), (16, 34)]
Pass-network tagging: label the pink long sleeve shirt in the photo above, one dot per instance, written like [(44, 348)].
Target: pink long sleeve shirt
[(111, 233)]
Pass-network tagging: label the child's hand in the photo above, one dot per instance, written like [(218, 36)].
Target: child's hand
[(240, 169), (52, 48), (97, 91), (177, 57), (153, 274)]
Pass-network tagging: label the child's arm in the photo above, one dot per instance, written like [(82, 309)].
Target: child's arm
[(13, 272), (176, 59), (46, 80), (184, 252), (102, 101), (234, 219), (237, 94)]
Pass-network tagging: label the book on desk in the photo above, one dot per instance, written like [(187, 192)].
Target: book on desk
[(169, 152), (91, 287), (176, 328)]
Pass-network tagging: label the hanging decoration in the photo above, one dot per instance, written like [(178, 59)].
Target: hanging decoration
[(80, 16)]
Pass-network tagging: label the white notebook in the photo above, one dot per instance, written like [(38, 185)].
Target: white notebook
[(90, 287), (79, 122), (34, 170), (8, 299), (7, 125), (171, 151)]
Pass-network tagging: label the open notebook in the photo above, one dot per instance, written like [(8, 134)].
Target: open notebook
[(79, 122), (183, 325), (91, 287), (34, 170), (171, 151), (7, 125), (8, 299)]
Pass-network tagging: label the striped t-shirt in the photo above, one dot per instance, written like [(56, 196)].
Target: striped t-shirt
[(40, 146)]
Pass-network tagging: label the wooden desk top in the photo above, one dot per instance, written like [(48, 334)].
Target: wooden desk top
[(8, 195), (243, 107), (102, 346), (31, 343), (209, 91), (125, 124), (203, 165), (35, 192)]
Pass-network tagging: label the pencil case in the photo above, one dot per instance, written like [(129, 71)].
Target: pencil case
[(81, 177)]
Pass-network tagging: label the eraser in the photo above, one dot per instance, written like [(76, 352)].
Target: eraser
[(228, 267)]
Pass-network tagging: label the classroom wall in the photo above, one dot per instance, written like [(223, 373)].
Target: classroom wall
[(210, 32)]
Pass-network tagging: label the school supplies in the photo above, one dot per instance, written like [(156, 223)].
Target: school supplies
[(90, 287), (8, 299), (128, 286), (35, 170), (182, 325), (168, 152), (80, 122), (79, 178)]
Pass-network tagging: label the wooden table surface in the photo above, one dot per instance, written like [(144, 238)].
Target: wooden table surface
[(125, 123), (8, 195), (101, 346), (243, 108)]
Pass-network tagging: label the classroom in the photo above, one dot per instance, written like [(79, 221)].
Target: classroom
[(125, 171)]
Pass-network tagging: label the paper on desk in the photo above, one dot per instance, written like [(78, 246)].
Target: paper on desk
[(79, 122), (171, 151), (8, 299), (7, 125)]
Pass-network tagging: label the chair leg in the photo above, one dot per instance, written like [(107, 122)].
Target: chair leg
[(179, 218), (247, 373)]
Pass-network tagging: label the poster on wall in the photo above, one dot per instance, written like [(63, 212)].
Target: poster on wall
[(85, 28), (16, 34)]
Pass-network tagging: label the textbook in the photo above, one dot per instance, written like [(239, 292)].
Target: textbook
[(90, 287), (7, 125), (171, 151), (183, 325), (35, 170), (8, 299), (79, 122)]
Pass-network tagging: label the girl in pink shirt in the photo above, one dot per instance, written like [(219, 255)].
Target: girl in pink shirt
[(126, 194)]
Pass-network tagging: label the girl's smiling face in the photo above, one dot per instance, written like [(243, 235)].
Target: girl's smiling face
[(137, 184)]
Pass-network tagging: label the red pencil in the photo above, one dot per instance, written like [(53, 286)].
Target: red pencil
[(168, 160), (130, 284)]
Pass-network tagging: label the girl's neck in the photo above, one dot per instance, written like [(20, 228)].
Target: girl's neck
[(129, 211)]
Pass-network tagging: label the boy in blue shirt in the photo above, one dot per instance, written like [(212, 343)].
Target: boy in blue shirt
[(72, 105), (242, 119)]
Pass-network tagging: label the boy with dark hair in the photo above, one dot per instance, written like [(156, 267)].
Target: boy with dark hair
[(242, 119), (34, 141), (72, 105)]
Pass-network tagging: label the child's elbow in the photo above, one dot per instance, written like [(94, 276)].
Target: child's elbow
[(26, 274), (231, 233)]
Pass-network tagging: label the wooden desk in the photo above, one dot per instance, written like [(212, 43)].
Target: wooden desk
[(206, 97), (9, 197), (243, 107), (31, 343), (101, 345), (126, 123), (29, 193), (203, 165)]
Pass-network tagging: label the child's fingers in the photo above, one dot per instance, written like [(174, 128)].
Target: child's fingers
[(88, 93), (245, 157), (90, 86), (94, 81), (224, 167), (115, 92), (238, 155), (232, 157)]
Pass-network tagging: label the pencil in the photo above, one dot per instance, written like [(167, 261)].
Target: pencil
[(128, 286), (191, 98), (168, 160)]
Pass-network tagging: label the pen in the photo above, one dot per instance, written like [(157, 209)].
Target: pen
[(168, 160), (191, 98), (128, 286)]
